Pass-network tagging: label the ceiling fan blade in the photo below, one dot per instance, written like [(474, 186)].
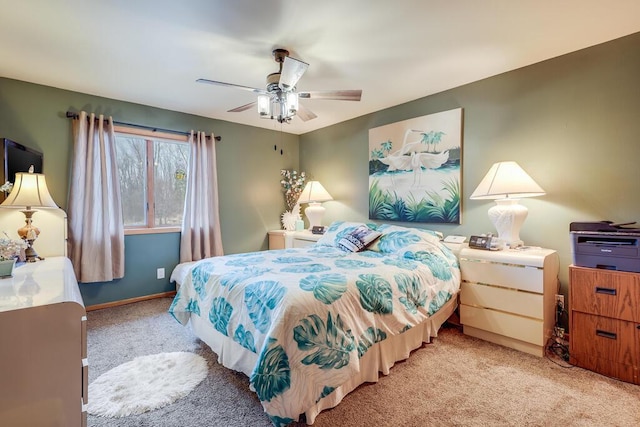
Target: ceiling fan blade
[(338, 95), (242, 107), (292, 70), (217, 83), (304, 113)]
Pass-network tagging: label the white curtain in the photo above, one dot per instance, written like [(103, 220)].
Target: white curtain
[(201, 237), (96, 229)]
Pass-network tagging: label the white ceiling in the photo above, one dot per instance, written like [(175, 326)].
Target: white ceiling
[(152, 51)]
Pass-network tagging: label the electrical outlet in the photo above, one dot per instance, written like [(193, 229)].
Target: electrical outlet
[(160, 273), (560, 301)]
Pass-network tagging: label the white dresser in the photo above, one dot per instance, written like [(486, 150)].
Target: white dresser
[(508, 297), (43, 347)]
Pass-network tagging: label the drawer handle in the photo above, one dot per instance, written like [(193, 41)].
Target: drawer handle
[(605, 334), (605, 291)]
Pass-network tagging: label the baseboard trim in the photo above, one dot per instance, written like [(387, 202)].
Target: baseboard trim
[(130, 301)]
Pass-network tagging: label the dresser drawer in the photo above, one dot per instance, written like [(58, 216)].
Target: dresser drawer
[(605, 338), (605, 345), (519, 277), (605, 293), (507, 300), (505, 324)]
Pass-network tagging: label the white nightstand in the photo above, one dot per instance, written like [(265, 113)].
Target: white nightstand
[(508, 297), (300, 239)]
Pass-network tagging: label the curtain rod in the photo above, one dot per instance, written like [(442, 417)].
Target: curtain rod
[(72, 115)]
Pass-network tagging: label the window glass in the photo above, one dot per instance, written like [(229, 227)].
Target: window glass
[(131, 153), (171, 160), (153, 180)]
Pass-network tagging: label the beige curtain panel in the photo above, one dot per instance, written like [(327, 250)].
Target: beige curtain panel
[(201, 237), (96, 230)]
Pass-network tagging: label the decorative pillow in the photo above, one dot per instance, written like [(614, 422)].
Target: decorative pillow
[(358, 239), (395, 238), (337, 230)]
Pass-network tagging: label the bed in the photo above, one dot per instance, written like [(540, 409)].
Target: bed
[(308, 325)]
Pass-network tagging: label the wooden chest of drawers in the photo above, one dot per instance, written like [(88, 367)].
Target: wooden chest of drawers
[(604, 323)]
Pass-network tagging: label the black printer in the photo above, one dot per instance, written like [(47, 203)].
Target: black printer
[(606, 245)]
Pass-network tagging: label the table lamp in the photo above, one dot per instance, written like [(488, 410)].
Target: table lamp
[(29, 191), (506, 183), (313, 194)]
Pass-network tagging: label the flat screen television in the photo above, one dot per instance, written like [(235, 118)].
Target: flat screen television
[(18, 158)]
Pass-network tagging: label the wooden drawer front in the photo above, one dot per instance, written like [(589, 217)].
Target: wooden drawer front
[(508, 300), (505, 275), (605, 338), (606, 367), (605, 293), (509, 325)]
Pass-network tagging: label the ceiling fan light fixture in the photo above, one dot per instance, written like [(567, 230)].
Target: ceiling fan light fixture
[(291, 101), (264, 105), (280, 100)]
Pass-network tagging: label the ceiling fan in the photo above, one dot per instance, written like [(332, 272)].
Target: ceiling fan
[(280, 100)]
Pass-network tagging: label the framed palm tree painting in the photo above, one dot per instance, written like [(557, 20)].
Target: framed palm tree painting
[(414, 169)]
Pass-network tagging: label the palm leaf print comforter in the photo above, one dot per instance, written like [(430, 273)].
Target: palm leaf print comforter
[(310, 314)]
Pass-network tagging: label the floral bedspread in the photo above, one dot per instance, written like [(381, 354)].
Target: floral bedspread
[(310, 313)]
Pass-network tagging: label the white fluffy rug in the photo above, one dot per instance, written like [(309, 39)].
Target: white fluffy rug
[(145, 383)]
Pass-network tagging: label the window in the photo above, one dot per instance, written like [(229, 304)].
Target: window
[(153, 177)]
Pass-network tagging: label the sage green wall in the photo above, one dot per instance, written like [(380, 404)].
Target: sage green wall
[(249, 167), (570, 122)]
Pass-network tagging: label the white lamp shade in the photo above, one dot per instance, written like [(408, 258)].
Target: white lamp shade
[(314, 192), (506, 180), (29, 190)]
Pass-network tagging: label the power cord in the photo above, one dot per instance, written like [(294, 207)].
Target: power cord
[(557, 345), (558, 350)]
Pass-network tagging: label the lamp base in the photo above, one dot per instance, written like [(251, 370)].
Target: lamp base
[(29, 233), (30, 253), (507, 216), (314, 213)]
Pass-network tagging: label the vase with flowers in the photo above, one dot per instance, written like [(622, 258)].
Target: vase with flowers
[(292, 185), (10, 251)]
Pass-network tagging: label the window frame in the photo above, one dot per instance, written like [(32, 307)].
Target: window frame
[(150, 137)]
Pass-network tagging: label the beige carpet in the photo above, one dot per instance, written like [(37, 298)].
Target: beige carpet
[(455, 381)]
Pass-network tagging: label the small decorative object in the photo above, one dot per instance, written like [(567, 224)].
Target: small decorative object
[(9, 252), (6, 268), (290, 218), (292, 185), (289, 221), (6, 187)]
